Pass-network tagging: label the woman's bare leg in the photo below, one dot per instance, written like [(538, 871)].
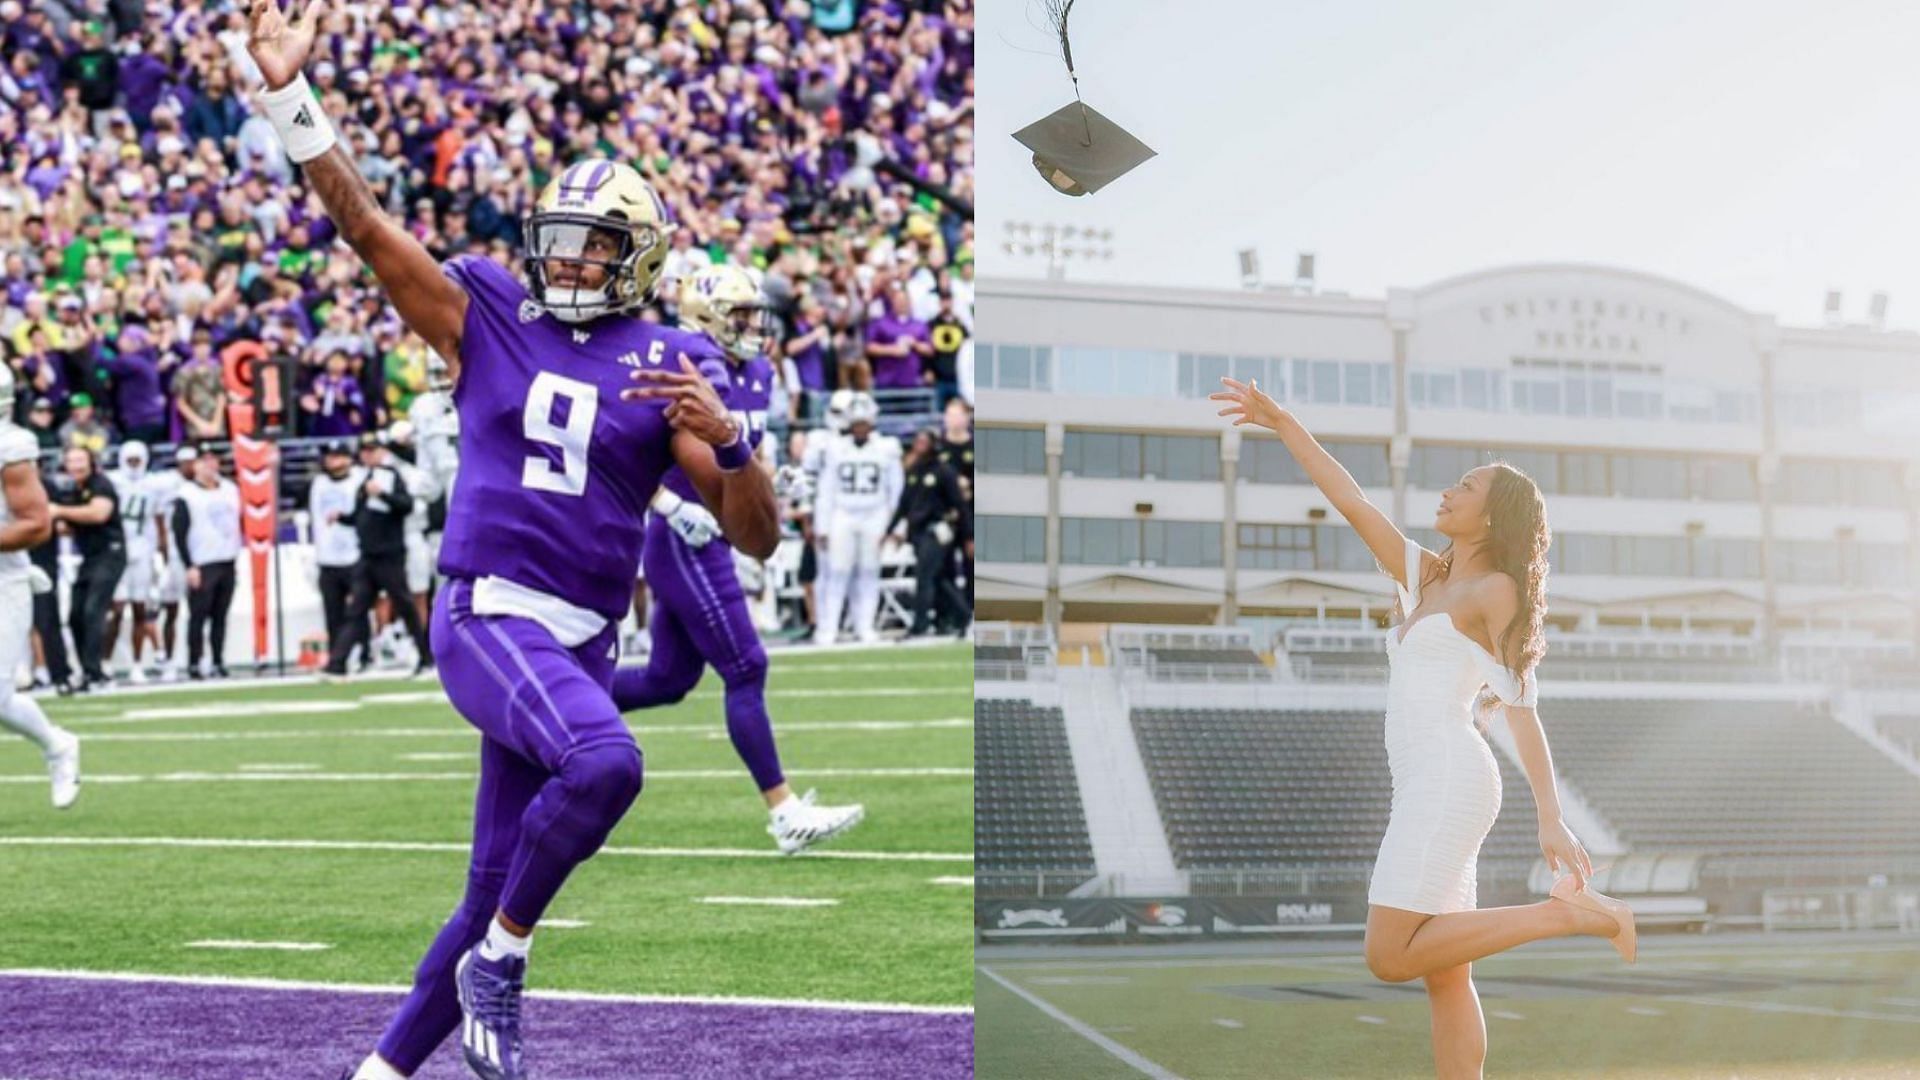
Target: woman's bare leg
[(1459, 1029), (1404, 945)]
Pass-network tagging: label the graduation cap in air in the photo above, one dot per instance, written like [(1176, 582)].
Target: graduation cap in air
[(1076, 149)]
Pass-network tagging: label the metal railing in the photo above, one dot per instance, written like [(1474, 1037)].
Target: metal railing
[(1037, 883), (1200, 671)]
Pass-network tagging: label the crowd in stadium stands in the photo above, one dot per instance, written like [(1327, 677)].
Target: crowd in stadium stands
[(152, 228), (150, 224)]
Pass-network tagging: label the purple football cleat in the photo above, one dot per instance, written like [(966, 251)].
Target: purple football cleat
[(490, 1001)]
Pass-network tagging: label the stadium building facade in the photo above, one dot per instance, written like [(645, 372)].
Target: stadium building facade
[(1706, 469)]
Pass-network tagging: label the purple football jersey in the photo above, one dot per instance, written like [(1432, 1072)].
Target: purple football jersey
[(555, 470), (747, 400)]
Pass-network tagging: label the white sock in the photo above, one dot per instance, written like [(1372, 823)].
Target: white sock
[(375, 1069), (500, 943), (785, 807), (23, 714)]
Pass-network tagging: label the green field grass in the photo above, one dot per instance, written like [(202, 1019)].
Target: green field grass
[(1752, 1008), (390, 762)]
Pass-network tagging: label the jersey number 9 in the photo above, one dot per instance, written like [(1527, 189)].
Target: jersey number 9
[(572, 437)]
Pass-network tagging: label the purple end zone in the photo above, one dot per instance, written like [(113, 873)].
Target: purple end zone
[(79, 1029)]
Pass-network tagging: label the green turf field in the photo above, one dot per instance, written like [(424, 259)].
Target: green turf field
[(1750, 1007), (356, 766)]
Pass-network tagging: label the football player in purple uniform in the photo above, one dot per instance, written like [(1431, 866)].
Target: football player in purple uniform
[(699, 613), (560, 455)]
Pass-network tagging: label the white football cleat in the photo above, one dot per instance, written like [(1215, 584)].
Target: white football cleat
[(798, 824), (136, 676), (63, 764)]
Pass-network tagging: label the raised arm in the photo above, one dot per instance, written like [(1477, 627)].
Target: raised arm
[(1248, 404), (429, 302)]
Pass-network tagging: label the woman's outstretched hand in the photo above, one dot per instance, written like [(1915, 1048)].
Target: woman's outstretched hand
[(1563, 852), (1250, 404)]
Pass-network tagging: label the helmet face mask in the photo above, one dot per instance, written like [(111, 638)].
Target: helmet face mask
[(597, 221)]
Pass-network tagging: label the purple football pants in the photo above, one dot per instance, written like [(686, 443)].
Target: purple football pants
[(699, 617), (558, 769)]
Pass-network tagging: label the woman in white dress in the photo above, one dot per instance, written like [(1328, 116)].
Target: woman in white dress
[(1470, 635)]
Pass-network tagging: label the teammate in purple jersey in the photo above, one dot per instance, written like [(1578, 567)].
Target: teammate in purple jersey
[(561, 452), (699, 613)]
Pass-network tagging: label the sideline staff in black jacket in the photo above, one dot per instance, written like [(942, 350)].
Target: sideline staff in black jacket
[(90, 509), (935, 512), (379, 515)]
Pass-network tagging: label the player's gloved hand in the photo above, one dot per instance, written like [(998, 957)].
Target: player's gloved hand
[(38, 581), (943, 532), (692, 523)]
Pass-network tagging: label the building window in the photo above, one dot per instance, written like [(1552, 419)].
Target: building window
[(1099, 541), (1124, 542), (1181, 543), (1340, 548), (1114, 455), (1715, 557), (1011, 539), (1722, 479), (1366, 461), (1013, 451), (1809, 562), (1276, 547), (1649, 476)]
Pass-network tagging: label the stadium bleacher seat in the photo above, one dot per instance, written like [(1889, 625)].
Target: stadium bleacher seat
[(1290, 788), (1027, 809)]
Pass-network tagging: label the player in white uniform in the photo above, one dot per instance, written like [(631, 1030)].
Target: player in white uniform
[(135, 487), (436, 440), (25, 523), (860, 482), (424, 488), (164, 488), (799, 490)]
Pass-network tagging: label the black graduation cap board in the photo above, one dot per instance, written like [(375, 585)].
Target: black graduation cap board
[(1079, 151)]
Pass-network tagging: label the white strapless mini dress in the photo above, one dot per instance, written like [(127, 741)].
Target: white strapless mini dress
[(1446, 782)]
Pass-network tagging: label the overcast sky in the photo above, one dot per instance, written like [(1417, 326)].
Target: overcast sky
[(1764, 151)]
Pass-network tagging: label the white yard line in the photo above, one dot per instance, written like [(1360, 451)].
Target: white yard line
[(277, 946), (769, 901), (1085, 1031), (564, 924), (441, 777), (964, 881), (224, 843), (1804, 1010), (463, 731), (549, 995), (278, 768), (1756, 951)]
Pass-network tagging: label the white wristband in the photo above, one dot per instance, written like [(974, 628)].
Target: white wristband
[(665, 503), (296, 117)]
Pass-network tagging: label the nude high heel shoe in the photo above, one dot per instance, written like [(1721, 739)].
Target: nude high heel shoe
[(1626, 938)]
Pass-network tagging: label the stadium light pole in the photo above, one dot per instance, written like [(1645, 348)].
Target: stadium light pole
[(1057, 244)]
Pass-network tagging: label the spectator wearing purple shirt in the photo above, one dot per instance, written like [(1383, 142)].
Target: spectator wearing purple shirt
[(806, 353), (45, 374), (139, 403), (896, 345), (334, 406)]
